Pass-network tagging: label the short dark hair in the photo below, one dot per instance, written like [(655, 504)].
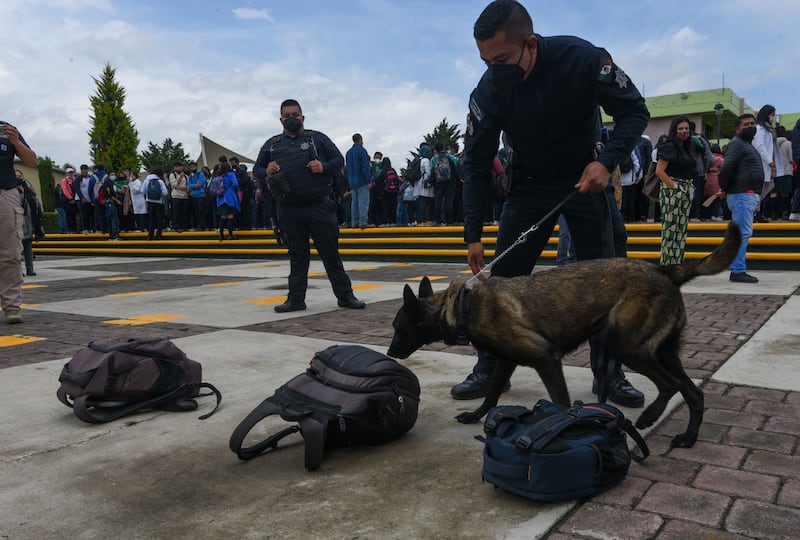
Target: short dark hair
[(507, 15), (357, 138), (291, 103), (439, 146), (738, 121), (234, 158)]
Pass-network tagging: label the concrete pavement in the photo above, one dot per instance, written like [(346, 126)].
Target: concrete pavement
[(170, 475)]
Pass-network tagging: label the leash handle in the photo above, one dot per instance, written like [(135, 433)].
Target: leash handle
[(522, 237)]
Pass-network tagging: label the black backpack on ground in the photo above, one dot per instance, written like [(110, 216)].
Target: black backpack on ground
[(552, 453), (111, 379), (349, 395)]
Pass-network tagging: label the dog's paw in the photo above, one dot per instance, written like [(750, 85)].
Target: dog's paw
[(468, 418), (684, 440)]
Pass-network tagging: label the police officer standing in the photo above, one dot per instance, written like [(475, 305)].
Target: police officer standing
[(11, 220), (300, 165), (544, 94)]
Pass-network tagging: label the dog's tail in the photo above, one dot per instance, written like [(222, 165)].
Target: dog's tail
[(717, 261)]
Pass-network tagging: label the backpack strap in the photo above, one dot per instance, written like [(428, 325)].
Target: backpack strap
[(90, 413), (267, 407), (628, 428), (314, 434)]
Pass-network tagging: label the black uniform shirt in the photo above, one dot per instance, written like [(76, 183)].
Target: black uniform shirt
[(327, 153), (8, 178), (552, 121)]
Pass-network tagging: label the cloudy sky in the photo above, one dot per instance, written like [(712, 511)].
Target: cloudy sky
[(389, 69)]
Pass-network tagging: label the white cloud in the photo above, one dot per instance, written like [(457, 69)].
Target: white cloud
[(252, 14)]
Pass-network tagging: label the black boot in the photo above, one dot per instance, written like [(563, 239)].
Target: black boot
[(475, 386), (222, 228)]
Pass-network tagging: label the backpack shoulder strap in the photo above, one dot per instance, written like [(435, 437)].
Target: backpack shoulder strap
[(314, 434), (93, 415), (628, 428), (267, 408)]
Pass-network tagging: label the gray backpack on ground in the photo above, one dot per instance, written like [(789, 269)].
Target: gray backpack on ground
[(349, 395), (111, 379)]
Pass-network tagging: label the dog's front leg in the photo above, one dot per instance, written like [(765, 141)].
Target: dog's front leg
[(502, 372)]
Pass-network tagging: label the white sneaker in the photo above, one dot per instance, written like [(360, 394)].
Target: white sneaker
[(794, 216), (716, 218)]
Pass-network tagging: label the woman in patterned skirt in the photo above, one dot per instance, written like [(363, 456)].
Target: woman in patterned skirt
[(677, 159)]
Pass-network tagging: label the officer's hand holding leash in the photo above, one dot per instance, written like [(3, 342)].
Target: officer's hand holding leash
[(594, 178)]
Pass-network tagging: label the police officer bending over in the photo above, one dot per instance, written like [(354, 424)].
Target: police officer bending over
[(299, 165), (544, 93)]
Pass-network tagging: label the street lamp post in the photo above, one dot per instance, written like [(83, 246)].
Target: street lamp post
[(718, 108), (94, 143)]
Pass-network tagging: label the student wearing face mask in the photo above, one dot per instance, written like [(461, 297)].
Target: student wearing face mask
[(301, 166), (676, 167), (766, 143), (544, 94), (741, 179)]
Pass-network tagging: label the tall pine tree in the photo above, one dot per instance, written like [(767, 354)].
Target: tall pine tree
[(445, 133), (163, 156), (112, 127)]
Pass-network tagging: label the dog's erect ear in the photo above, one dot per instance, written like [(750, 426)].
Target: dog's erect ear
[(408, 296), (425, 288)]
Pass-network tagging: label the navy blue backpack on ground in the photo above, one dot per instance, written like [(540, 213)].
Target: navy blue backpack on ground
[(553, 454)]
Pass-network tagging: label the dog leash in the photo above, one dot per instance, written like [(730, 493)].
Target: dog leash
[(522, 238)]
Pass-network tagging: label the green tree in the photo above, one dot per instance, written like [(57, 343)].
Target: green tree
[(163, 156), (114, 136), (47, 183), (444, 132)]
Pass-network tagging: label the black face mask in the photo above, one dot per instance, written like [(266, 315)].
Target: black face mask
[(748, 133), (506, 77), (292, 124)]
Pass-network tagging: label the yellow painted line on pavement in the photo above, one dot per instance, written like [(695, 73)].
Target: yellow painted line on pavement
[(34, 286), (135, 293), (118, 278), (262, 266), (367, 286), (267, 301), (432, 278), (317, 274), (27, 306), (201, 270), (399, 265), (224, 284), (145, 319), (363, 268), (12, 341)]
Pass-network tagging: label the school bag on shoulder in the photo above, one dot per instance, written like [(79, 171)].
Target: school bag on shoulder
[(153, 190), (348, 395), (551, 453), (111, 379), (442, 169), (414, 171), (392, 183), (217, 186)]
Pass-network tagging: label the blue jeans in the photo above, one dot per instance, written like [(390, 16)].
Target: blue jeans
[(359, 206), (402, 213), (112, 218), (742, 206), (62, 220)]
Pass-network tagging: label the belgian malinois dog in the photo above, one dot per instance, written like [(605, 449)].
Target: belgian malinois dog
[(534, 320)]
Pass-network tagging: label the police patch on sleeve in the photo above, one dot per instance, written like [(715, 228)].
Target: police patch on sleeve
[(621, 79), (475, 110), (605, 72)]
